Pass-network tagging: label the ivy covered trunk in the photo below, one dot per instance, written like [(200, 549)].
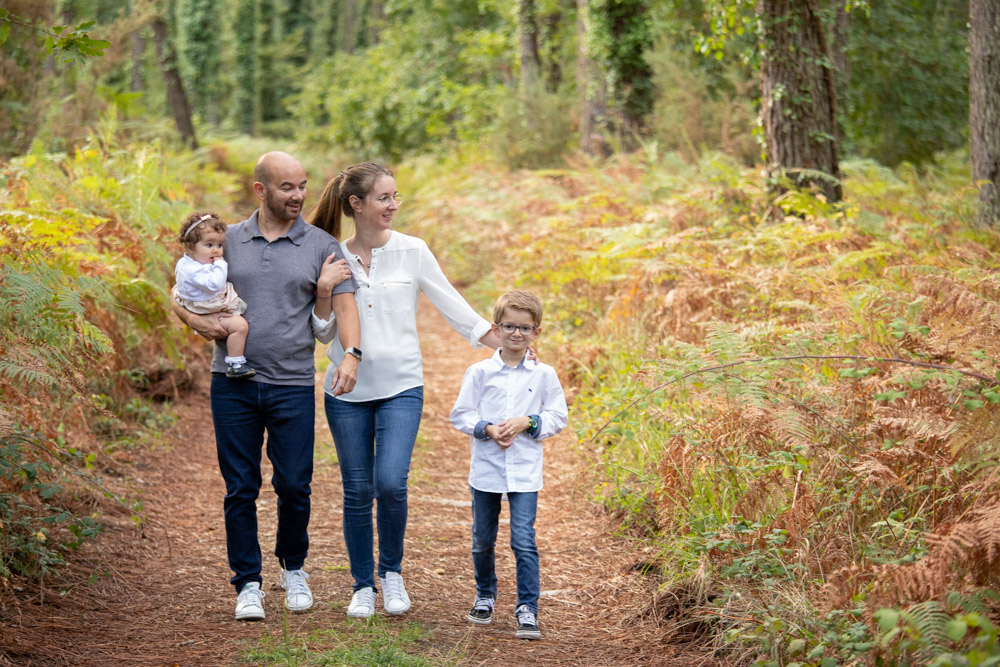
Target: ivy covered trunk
[(176, 97), (527, 25), (984, 105), (798, 102)]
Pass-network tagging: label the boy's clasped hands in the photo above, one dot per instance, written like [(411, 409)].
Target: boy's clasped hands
[(504, 432)]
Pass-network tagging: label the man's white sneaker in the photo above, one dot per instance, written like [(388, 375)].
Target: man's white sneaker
[(298, 597), (362, 603), (250, 603), (394, 597)]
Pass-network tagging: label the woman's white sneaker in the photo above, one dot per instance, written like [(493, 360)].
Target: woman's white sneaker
[(250, 603), (394, 597), (298, 597), (362, 603)]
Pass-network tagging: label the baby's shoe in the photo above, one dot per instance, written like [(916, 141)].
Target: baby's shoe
[(240, 372)]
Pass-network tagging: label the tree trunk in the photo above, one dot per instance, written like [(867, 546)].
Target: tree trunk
[(347, 26), (838, 56), (247, 97), (138, 47), (589, 89), (527, 26), (176, 97), (798, 98), (984, 105), (628, 38)]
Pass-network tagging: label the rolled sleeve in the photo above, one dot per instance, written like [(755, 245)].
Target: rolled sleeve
[(480, 431), (323, 330)]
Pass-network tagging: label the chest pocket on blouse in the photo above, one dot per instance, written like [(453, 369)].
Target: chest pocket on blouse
[(397, 295)]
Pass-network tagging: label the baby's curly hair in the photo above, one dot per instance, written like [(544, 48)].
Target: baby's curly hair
[(196, 224)]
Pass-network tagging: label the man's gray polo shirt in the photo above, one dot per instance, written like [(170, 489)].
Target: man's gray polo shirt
[(277, 279)]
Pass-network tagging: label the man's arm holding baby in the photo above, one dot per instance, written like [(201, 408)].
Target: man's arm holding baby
[(208, 326)]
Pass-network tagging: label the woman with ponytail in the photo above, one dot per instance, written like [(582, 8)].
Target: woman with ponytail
[(375, 426)]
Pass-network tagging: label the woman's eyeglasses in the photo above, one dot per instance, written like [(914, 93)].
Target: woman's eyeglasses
[(385, 199), (507, 328)]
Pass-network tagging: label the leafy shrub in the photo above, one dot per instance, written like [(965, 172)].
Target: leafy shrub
[(86, 258), (791, 399), (533, 129)]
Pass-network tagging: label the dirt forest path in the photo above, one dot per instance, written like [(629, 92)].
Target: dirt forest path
[(163, 597)]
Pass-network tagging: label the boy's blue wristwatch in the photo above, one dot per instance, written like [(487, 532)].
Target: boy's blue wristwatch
[(534, 425)]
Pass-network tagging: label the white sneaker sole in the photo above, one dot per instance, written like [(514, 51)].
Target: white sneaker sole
[(254, 615), (398, 613), (479, 621), (295, 609)]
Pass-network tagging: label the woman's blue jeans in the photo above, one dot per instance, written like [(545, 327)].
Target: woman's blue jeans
[(242, 411), (485, 520), (374, 441)]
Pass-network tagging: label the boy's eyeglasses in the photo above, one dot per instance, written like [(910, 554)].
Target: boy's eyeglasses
[(385, 199), (507, 328)]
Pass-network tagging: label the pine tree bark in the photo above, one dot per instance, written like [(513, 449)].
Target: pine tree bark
[(527, 25), (247, 94), (589, 89), (176, 97), (798, 98), (984, 106)]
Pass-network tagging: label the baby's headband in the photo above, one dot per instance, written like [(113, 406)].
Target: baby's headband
[(202, 219)]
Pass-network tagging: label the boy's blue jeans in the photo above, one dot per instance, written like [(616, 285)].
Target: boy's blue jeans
[(242, 411), (374, 441), (485, 519)]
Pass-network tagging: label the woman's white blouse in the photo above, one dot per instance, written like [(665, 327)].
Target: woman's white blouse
[(387, 303)]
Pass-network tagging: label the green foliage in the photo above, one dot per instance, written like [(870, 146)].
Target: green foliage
[(767, 389), (622, 36), (371, 642), (246, 89), (368, 103), (697, 109), (199, 25), (928, 633), (908, 96), (533, 130), (86, 258), (67, 44), (35, 533)]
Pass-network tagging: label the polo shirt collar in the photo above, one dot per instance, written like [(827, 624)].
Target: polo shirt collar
[(252, 230)]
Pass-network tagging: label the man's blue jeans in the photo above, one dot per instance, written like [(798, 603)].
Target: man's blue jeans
[(242, 411), (374, 441), (485, 519)]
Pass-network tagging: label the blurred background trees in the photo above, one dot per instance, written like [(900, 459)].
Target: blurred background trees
[(531, 81)]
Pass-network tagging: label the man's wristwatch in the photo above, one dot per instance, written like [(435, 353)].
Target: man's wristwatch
[(353, 351)]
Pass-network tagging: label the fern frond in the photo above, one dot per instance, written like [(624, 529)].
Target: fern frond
[(23, 375)]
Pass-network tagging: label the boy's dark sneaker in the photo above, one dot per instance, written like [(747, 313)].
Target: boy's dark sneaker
[(240, 372), (482, 611), (527, 623)]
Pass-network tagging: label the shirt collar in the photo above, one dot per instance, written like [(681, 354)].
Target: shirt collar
[(525, 363), (252, 230)]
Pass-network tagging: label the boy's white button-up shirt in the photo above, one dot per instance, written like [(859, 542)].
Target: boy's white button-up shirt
[(492, 391)]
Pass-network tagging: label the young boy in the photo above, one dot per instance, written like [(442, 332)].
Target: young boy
[(508, 404)]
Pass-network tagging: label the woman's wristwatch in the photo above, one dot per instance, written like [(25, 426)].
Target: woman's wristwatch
[(354, 352)]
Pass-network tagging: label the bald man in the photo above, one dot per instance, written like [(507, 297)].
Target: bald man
[(296, 285)]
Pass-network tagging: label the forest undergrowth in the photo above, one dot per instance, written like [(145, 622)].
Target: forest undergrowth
[(794, 406), (791, 406)]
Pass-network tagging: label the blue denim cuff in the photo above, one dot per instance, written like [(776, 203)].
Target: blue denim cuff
[(480, 431), (538, 426)]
